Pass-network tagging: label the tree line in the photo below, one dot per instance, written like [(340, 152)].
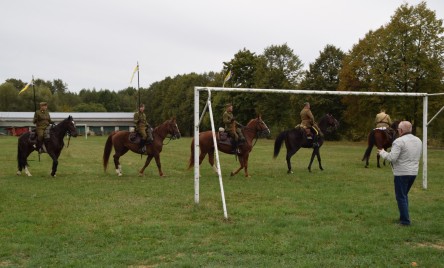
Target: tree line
[(405, 55)]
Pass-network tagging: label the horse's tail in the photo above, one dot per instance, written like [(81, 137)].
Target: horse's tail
[(21, 153), (191, 161), (278, 142), (108, 149), (371, 143)]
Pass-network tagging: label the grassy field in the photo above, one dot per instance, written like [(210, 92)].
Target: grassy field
[(343, 216)]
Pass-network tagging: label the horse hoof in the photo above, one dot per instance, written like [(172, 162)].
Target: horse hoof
[(232, 174), (19, 173), (140, 174), (289, 172)]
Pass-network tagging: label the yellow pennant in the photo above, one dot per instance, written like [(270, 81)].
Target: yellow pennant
[(135, 70), (25, 88), (227, 77)]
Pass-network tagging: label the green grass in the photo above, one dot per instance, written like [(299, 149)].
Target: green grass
[(340, 217)]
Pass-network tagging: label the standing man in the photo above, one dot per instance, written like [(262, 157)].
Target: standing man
[(309, 124), (404, 157), (231, 126), (143, 128), (42, 119), (383, 120)]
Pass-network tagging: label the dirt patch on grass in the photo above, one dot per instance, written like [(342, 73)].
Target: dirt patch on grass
[(439, 245)]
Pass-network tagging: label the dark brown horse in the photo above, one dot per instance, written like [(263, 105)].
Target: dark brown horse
[(54, 145), (296, 139), (381, 138), (254, 129), (122, 144)]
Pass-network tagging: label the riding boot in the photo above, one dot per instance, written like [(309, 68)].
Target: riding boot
[(234, 148), (142, 148), (38, 147)]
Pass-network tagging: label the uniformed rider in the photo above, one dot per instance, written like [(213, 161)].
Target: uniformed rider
[(232, 126), (309, 124), (143, 128), (42, 120)]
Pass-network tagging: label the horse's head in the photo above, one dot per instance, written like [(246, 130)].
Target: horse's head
[(70, 126), (259, 127), (173, 129), (331, 124)]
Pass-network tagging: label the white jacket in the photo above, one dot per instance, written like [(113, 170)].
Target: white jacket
[(404, 155)]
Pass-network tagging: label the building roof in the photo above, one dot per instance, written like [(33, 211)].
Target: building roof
[(10, 119)]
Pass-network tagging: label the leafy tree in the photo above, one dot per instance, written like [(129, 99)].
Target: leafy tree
[(89, 107), (278, 68), (406, 55), (323, 75)]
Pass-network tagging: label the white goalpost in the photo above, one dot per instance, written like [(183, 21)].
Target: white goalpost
[(198, 119)]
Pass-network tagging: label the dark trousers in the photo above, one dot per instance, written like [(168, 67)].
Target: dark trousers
[(402, 188)]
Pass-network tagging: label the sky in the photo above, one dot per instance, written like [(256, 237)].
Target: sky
[(96, 44)]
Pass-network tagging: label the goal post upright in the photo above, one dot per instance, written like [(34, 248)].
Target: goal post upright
[(197, 89)]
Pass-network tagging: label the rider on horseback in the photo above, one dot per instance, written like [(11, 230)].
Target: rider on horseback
[(384, 122), (308, 123), (143, 128), (231, 126), (42, 119)]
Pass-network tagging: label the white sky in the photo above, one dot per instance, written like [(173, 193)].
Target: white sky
[(97, 43)]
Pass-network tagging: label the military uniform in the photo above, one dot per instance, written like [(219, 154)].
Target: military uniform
[(230, 126), (143, 128), (42, 120), (309, 124), (383, 120)]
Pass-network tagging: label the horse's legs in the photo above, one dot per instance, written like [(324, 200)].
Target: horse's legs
[(147, 162), (159, 166), (242, 165), (290, 153), (210, 159), (318, 156), (246, 165), (55, 162), (116, 157)]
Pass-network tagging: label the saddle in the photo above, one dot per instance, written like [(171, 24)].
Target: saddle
[(135, 137), (224, 137), (389, 132), (33, 135)]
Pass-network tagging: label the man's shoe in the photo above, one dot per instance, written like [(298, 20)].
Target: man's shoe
[(142, 150)]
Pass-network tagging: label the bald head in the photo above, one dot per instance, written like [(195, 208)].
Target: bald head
[(405, 126)]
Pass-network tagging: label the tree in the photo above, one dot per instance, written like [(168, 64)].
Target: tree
[(406, 55), (280, 68), (323, 74)]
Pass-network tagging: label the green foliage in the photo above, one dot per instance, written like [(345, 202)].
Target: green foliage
[(406, 55), (343, 216)]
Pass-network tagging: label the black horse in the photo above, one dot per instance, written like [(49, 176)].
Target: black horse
[(381, 138), (296, 138), (54, 145)]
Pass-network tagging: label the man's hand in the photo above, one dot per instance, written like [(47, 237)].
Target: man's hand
[(381, 151)]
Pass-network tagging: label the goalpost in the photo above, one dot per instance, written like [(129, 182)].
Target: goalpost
[(198, 119)]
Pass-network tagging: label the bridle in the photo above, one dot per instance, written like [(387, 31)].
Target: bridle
[(258, 133)]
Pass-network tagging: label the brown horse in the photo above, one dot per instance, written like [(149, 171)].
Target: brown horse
[(254, 129), (381, 138), (122, 144), (54, 145)]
